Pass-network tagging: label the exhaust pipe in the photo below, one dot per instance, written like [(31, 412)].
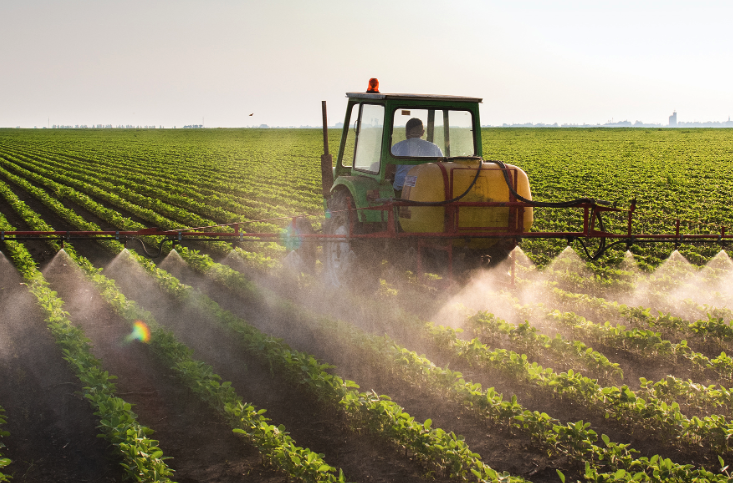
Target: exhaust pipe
[(326, 159)]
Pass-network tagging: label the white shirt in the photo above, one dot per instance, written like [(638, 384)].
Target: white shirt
[(414, 148)]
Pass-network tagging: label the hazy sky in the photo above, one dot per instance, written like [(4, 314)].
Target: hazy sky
[(176, 62)]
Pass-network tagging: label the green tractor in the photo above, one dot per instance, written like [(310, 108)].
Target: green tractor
[(410, 185)]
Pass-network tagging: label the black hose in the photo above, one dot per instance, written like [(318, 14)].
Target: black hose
[(505, 172), (145, 248), (453, 200), (602, 247)]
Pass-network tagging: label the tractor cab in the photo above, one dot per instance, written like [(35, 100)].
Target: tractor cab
[(377, 148)]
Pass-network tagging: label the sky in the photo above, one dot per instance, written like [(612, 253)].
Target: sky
[(174, 63)]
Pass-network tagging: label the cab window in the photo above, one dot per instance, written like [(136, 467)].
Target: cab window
[(432, 133), (348, 158), (369, 138)]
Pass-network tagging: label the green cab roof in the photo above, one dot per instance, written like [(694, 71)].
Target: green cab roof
[(411, 97)]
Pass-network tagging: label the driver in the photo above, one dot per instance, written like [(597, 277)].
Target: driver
[(415, 147)]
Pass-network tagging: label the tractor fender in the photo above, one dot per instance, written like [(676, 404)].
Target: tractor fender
[(366, 192)]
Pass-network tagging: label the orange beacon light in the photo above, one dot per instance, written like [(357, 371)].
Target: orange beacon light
[(373, 85)]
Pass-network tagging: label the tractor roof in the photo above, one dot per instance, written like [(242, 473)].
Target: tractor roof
[(411, 97)]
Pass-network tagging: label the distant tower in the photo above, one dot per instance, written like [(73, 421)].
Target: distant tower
[(673, 119)]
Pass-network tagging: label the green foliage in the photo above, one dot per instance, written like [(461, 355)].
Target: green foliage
[(4, 462), (525, 339)]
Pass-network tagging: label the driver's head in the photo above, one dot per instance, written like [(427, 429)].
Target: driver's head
[(414, 128)]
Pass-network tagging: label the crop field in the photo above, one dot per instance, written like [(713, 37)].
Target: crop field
[(215, 362)]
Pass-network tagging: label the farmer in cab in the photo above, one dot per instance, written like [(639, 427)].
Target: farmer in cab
[(413, 147)]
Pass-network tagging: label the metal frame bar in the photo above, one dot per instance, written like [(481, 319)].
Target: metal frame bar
[(436, 240), (452, 231)]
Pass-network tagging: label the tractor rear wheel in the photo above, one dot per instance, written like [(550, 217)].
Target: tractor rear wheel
[(339, 256), (346, 261)]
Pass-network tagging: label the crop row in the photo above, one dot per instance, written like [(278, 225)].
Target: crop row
[(696, 396), (665, 391), (526, 340), (271, 184), (111, 216), (631, 410), (184, 253), (124, 173), (677, 173), (644, 343), (621, 403), (83, 199), (148, 196), (681, 173), (714, 328), (152, 204)]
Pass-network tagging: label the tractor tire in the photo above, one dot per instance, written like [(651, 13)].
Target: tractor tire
[(347, 262)]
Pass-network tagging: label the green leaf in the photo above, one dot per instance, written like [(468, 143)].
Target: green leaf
[(561, 475)]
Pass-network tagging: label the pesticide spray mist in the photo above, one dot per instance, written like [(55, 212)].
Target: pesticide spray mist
[(676, 287)]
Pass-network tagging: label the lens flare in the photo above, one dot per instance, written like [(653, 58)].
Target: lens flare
[(140, 332), (290, 239)]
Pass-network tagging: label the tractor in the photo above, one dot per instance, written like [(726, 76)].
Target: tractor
[(410, 184)]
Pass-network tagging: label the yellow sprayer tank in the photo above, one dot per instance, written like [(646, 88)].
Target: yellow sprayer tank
[(442, 181)]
